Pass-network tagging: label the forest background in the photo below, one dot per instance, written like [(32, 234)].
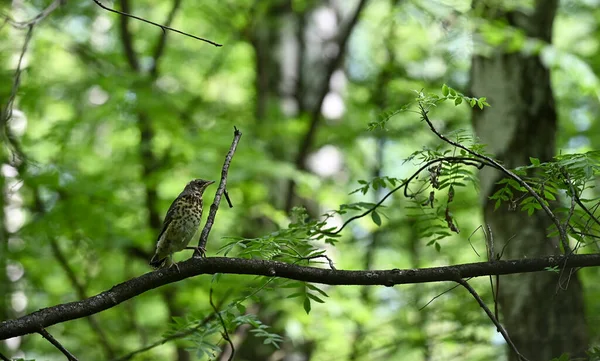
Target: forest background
[(106, 118)]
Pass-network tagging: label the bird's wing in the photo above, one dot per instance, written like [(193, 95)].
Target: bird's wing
[(168, 217)]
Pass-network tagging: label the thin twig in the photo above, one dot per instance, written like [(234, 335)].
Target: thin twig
[(469, 239), (573, 196), (227, 199), (491, 316), (438, 296), (491, 246), (492, 258), (225, 333), (36, 19), (499, 256), (163, 27), (320, 256), (534, 194), (57, 344), (215, 206), (496, 295), (584, 234), (7, 112), (589, 213)]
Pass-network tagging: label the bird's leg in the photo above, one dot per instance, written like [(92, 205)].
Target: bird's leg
[(198, 252), (171, 263)]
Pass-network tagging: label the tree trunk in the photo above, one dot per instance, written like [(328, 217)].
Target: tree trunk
[(543, 319)]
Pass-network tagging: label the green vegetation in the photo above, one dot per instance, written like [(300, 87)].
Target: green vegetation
[(358, 153)]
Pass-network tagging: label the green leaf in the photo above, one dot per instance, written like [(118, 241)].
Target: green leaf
[(315, 298), (307, 305), (549, 195), (241, 308), (457, 101), (315, 288), (445, 90), (534, 161), (376, 218)]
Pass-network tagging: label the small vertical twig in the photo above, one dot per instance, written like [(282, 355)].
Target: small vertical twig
[(492, 258), (574, 196), (225, 333), (57, 344), (7, 110), (227, 199), (215, 206)]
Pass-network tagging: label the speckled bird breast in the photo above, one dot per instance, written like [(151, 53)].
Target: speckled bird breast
[(186, 221)]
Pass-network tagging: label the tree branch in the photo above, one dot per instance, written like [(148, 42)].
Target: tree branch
[(215, 206), (57, 344), (163, 27), (489, 313), (561, 230), (33, 322)]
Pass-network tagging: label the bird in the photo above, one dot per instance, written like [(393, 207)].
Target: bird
[(180, 224)]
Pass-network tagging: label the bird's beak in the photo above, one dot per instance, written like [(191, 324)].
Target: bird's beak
[(209, 183)]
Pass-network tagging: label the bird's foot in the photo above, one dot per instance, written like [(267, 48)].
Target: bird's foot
[(176, 266), (169, 263)]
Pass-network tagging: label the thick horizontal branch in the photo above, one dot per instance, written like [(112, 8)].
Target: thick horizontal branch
[(197, 266)]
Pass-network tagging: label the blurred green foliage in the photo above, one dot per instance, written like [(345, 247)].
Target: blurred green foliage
[(77, 213)]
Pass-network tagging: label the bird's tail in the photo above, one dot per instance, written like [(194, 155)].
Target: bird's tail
[(157, 262)]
